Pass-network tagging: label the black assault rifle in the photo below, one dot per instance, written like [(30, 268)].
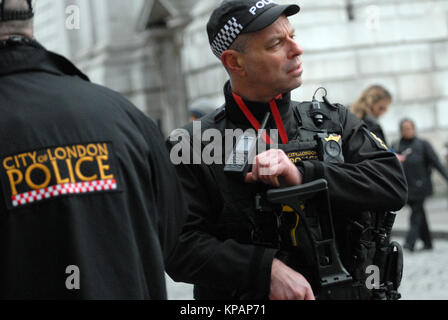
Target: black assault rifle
[(334, 280)]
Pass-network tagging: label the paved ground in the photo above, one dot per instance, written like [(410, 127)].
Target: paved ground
[(179, 291), (425, 275)]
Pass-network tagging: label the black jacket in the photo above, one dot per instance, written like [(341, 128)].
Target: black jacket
[(85, 181), (374, 126), (215, 251), (418, 167)]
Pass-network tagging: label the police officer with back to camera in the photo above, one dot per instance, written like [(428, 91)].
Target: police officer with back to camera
[(90, 206), (224, 249)]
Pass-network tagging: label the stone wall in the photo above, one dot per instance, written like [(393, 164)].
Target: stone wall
[(49, 21), (143, 65)]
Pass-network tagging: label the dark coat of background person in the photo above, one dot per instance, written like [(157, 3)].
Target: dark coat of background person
[(118, 238), (418, 167), (418, 158)]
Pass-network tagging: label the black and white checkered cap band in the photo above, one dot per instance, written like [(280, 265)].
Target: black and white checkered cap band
[(226, 37), (17, 14)]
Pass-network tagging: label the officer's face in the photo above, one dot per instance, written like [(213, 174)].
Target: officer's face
[(381, 107), (272, 62)]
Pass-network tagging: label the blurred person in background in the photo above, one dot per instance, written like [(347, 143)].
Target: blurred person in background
[(370, 106), (418, 158), (200, 108)]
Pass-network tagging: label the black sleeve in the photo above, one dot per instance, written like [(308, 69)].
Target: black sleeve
[(167, 192), (371, 177), (378, 131), (433, 160), (201, 258)]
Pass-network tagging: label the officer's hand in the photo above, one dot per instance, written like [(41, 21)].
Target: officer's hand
[(287, 284), (272, 167)]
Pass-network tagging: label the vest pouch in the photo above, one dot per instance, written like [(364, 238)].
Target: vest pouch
[(394, 268), (391, 274), (363, 256)]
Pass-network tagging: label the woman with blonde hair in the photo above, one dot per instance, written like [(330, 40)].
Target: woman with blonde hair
[(370, 106)]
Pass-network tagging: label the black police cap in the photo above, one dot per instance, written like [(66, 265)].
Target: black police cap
[(14, 15), (235, 17)]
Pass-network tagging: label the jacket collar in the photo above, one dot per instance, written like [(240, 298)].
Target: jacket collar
[(258, 109), (371, 118), (33, 57)]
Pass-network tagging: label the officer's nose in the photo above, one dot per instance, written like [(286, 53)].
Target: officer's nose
[(295, 49)]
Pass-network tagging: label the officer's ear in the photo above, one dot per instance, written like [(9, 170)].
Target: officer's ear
[(233, 61)]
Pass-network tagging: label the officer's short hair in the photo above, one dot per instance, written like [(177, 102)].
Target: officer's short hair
[(241, 44)]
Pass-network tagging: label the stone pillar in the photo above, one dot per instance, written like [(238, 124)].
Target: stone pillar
[(49, 26)]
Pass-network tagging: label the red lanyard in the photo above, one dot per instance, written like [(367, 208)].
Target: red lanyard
[(256, 124)]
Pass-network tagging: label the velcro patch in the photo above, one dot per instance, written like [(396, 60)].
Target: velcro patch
[(50, 173)]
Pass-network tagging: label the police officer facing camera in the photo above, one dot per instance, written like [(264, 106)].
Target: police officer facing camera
[(223, 249), (89, 204)]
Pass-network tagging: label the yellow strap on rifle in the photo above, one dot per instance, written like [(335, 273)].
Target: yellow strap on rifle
[(293, 230)]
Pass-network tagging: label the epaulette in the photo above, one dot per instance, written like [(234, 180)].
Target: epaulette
[(334, 106)]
